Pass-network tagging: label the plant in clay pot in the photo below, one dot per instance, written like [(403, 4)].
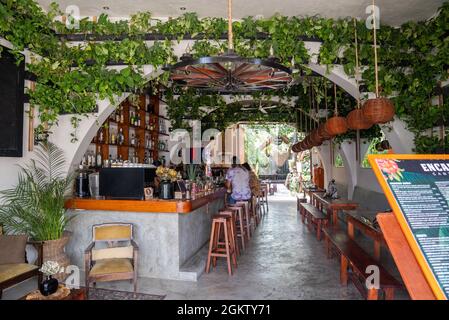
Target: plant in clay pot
[(35, 206)]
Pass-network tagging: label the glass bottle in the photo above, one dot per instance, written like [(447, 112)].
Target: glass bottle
[(122, 116), (99, 159), (120, 137)]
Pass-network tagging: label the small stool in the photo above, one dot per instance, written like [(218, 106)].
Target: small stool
[(232, 214), (240, 224), (224, 248), (264, 189), (246, 217), (249, 215)]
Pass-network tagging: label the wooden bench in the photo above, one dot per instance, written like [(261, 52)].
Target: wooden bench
[(314, 217), (354, 258), (299, 200)]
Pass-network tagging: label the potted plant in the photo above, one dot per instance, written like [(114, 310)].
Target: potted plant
[(167, 176), (35, 206)]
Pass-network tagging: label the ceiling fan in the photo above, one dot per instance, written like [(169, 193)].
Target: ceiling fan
[(262, 107)]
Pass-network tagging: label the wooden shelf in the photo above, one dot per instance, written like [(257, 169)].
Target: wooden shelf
[(141, 133)]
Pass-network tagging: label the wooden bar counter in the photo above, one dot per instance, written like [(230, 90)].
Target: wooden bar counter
[(170, 233)]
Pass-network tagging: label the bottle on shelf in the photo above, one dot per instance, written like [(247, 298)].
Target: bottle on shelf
[(117, 115), (120, 137), (110, 161), (99, 158), (101, 136), (113, 138), (138, 120), (132, 141), (122, 116)]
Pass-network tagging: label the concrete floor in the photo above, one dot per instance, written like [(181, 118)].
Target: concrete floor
[(283, 261)]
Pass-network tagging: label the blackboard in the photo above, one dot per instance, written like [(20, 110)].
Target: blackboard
[(417, 188), (11, 105)]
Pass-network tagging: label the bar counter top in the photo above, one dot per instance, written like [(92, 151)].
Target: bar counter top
[(152, 205)]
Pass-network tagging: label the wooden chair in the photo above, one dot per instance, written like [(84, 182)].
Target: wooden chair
[(111, 261), (12, 274)]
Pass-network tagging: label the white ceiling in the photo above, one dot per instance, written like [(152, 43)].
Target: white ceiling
[(392, 12)]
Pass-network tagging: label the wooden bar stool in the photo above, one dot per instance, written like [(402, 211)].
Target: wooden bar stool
[(224, 248), (240, 224), (245, 219), (250, 225), (264, 189), (233, 215)]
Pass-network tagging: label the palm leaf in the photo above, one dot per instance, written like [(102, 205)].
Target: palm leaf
[(35, 206)]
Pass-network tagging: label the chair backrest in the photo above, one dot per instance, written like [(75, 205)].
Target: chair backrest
[(111, 234)]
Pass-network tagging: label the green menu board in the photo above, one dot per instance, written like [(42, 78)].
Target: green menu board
[(417, 188)]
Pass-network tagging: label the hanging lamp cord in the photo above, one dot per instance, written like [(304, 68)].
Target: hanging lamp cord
[(375, 50), (335, 101), (356, 61), (230, 35)]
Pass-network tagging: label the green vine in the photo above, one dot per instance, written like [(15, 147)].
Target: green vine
[(413, 60)]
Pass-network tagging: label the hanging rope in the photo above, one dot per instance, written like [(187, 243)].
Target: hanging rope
[(375, 51), (335, 100), (325, 99), (356, 62), (230, 35)]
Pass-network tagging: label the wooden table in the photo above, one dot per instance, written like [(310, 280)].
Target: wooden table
[(75, 294), (332, 205), (310, 190), (355, 220)]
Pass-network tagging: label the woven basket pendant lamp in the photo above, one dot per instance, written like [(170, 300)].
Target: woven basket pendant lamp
[(336, 125), (355, 118), (379, 109)]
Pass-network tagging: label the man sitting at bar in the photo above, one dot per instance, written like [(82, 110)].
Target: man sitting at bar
[(237, 179)]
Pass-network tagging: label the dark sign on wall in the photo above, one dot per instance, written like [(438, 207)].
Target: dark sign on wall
[(11, 105), (417, 187)]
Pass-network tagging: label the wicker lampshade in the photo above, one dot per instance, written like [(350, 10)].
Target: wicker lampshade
[(378, 110), (357, 121), (316, 138), (297, 147), (336, 125), (323, 132)]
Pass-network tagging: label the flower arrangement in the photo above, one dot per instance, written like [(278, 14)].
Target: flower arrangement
[(166, 173), (50, 268)]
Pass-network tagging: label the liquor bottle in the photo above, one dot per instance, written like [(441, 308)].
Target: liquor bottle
[(101, 138), (133, 141), (110, 161), (120, 137), (117, 116), (99, 159), (145, 158), (113, 138), (138, 120), (131, 117), (122, 116)]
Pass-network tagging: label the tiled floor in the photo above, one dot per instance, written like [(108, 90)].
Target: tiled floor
[(283, 261)]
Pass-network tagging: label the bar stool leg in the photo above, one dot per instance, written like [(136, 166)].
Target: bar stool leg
[(228, 254), (211, 245)]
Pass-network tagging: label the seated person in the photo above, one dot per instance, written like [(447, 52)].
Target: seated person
[(237, 178), (254, 183)]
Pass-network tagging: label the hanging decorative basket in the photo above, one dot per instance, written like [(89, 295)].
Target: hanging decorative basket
[(336, 125), (316, 138), (378, 110), (297, 147), (357, 121), (322, 131)]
